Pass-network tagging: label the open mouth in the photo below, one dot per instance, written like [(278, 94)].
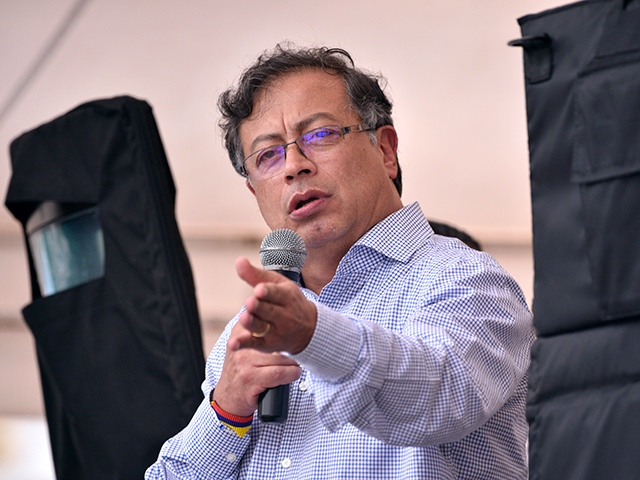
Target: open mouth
[(305, 202)]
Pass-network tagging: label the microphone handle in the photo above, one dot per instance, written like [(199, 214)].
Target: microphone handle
[(290, 274), (273, 403)]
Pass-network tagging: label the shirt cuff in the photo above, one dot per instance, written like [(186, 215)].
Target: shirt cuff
[(332, 353), (211, 446)]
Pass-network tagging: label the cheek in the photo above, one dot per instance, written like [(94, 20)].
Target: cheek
[(268, 204)]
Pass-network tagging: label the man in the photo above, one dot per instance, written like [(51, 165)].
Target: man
[(407, 351)]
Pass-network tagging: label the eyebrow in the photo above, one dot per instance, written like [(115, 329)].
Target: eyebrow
[(298, 127)]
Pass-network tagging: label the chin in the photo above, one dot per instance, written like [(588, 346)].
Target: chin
[(319, 235)]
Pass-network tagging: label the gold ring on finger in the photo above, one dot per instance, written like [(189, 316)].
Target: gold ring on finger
[(263, 333)]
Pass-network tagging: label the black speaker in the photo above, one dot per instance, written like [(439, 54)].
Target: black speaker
[(582, 80), (114, 312)]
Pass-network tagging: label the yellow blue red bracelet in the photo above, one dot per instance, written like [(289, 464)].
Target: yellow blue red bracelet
[(240, 425)]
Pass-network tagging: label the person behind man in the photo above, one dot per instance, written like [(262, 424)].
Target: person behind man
[(407, 351)]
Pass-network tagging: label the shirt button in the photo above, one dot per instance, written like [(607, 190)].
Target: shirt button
[(302, 386), (286, 463), (231, 457)]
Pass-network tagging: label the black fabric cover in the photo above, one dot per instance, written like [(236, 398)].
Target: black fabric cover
[(120, 357), (582, 77)]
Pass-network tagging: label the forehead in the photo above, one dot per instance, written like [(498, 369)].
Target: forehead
[(312, 87), (284, 105)]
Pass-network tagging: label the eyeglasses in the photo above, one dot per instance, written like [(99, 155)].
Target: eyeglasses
[(314, 145)]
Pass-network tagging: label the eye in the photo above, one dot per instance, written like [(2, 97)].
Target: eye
[(322, 137), (267, 158)]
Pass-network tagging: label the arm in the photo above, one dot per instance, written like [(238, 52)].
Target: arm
[(461, 350), (455, 362), (206, 447)]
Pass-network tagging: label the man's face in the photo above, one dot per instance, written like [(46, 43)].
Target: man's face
[(333, 201)]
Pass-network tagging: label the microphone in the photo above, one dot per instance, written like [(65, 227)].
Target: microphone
[(283, 251)]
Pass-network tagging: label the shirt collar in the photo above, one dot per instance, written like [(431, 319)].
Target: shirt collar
[(399, 235)]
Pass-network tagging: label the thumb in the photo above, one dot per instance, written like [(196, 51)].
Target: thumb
[(253, 275)]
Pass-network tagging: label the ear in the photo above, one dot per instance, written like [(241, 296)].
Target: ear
[(249, 186), (388, 144)]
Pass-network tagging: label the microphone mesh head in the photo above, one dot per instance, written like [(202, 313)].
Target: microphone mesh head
[(283, 249)]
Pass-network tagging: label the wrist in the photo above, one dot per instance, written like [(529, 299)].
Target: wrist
[(226, 402), (306, 336), (239, 424)]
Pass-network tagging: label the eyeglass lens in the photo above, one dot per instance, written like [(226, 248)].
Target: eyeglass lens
[(313, 145)]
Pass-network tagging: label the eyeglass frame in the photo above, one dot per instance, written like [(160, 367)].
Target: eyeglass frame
[(360, 127)]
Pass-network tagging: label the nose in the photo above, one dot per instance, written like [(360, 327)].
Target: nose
[(297, 163)]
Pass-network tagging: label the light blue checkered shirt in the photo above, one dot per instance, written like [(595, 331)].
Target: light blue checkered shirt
[(417, 370)]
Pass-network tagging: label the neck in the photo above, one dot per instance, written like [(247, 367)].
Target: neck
[(319, 268), (322, 261)]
